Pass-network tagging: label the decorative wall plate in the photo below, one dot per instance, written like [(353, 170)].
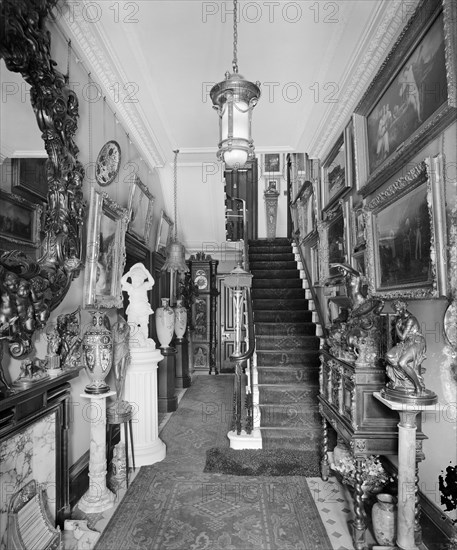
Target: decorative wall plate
[(108, 163)]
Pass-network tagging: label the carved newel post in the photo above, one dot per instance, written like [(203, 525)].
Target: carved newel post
[(405, 392), (141, 379)]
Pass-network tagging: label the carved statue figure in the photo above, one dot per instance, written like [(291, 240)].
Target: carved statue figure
[(38, 287), (354, 284), (53, 342), (32, 370), (121, 354), (404, 360), (139, 309)]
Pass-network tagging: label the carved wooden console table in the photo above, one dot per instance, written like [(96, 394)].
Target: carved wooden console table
[(346, 402)]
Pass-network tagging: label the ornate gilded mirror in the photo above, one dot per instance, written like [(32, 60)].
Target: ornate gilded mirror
[(32, 287)]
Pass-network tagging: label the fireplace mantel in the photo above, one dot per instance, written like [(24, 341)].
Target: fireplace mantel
[(49, 398)]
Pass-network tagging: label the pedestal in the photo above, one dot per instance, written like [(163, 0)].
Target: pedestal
[(168, 401), (141, 392), (271, 211), (182, 378), (406, 469), (98, 497)]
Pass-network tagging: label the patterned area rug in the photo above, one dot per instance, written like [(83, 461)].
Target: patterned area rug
[(174, 505)]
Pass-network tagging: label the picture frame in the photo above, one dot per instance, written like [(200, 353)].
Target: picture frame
[(29, 178), (164, 233), (358, 229), (141, 211), (105, 252), (272, 164), (406, 235), (272, 184), (306, 211), (335, 180), (411, 99), (20, 220)]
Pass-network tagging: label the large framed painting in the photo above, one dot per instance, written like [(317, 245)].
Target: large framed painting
[(30, 178), (141, 208), (406, 236), (20, 220), (412, 98), (105, 252), (306, 212), (336, 179)]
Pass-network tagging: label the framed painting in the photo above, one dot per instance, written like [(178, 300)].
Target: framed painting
[(306, 213), (141, 207), (336, 240), (164, 233), (30, 178), (358, 229), (412, 98), (272, 163), (335, 179), (20, 220), (105, 252), (406, 234), (271, 184)]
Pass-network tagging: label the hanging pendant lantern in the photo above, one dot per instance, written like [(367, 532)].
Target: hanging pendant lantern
[(175, 251), (234, 99)]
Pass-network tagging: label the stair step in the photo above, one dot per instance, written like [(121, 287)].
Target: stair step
[(288, 358), (286, 343), (291, 438), (278, 241), (289, 415), (278, 293), (277, 283), (276, 265), (294, 374), (276, 273), (287, 329), (282, 304), (278, 257), (270, 249), (284, 316), (302, 395)]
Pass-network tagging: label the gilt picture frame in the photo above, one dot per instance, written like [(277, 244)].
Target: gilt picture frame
[(105, 252), (406, 235), (411, 99), (141, 211), (20, 220), (336, 178), (164, 233), (272, 164), (30, 178)]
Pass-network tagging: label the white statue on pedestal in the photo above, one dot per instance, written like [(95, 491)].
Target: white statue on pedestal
[(139, 309)]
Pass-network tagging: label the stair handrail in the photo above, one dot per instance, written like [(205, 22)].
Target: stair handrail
[(317, 305)]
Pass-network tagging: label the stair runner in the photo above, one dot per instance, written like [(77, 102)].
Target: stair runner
[(287, 349)]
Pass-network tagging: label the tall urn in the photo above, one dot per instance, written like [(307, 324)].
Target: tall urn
[(98, 354), (180, 319), (384, 517), (165, 323)]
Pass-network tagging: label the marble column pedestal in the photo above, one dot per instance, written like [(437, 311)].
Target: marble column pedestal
[(168, 402), (182, 377), (141, 392), (406, 469), (98, 497)]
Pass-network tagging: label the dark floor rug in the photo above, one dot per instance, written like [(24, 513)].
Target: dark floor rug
[(174, 505), (258, 462)]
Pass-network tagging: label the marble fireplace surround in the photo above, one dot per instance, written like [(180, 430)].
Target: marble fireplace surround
[(34, 444)]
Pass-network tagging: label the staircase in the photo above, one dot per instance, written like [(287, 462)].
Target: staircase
[(287, 349)]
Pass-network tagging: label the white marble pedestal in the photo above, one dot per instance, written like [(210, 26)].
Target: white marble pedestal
[(98, 497), (141, 392), (406, 469)]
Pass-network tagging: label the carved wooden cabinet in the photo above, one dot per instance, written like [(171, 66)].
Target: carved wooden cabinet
[(203, 271), (346, 402)]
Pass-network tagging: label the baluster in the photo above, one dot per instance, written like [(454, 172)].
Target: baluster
[(324, 459), (360, 523)]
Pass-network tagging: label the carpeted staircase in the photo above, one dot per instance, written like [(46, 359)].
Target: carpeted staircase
[(287, 349)]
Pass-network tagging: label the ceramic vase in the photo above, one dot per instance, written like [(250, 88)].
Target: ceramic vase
[(165, 323), (98, 354), (180, 319), (384, 517)]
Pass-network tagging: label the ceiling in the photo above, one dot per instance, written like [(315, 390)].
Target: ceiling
[(166, 54)]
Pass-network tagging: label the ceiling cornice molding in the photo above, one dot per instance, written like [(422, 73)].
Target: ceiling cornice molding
[(38, 154), (5, 151), (95, 50), (379, 37)]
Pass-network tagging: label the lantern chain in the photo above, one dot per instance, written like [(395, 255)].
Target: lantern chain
[(175, 192), (235, 37)]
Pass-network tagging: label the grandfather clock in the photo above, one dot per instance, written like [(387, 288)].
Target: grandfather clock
[(203, 271)]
